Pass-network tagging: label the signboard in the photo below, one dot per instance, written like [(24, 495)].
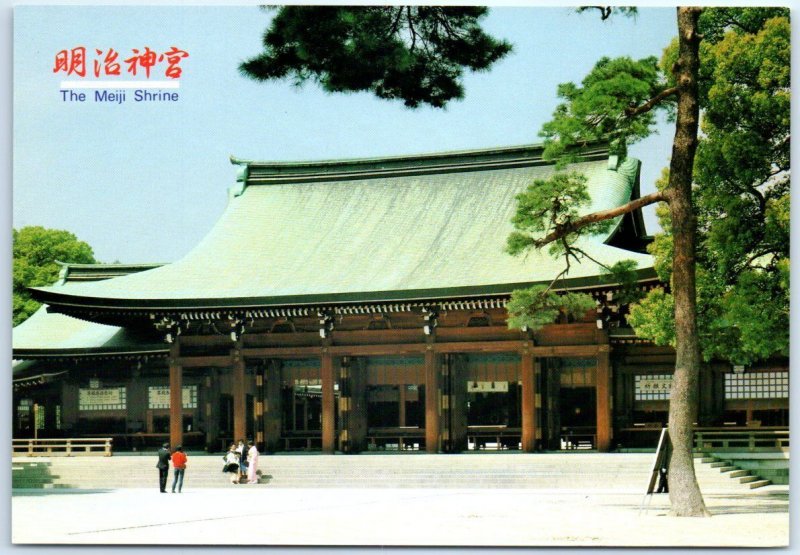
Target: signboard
[(660, 463), (487, 387), (308, 381), (652, 387), (158, 397), (103, 398)]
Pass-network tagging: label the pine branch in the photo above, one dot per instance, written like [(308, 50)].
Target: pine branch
[(562, 230), (650, 104)]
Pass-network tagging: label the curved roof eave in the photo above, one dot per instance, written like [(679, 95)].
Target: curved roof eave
[(326, 299)]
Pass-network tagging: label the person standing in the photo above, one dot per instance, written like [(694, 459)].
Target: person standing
[(179, 466), (252, 463), (232, 464), (163, 467), (241, 449)]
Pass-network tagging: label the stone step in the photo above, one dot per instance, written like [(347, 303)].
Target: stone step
[(748, 479), (759, 484), (498, 471), (728, 468), (719, 464), (739, 473)]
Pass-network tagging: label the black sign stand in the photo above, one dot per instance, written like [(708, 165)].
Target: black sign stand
[(660, 464)]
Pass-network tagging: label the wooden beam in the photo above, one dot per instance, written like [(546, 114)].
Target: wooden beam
[(378, 350), (603, 394), (542, 351), (328, 403), (479, 347), (281, 352), (224, 361), (205, 340), (507, 346), (432, 424), (528, 379), (175, 396)]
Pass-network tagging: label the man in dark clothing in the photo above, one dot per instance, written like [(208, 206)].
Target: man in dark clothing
[(163, 467)]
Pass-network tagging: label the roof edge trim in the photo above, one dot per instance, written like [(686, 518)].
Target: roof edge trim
[(63, 302), (263, 173)]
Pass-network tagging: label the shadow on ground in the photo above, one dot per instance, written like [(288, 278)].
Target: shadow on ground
[(724, 504), (55, 491), (738, 504)]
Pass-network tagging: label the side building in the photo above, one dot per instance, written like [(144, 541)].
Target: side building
[(354, 305)]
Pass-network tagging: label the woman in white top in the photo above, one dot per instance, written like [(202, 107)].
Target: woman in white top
[(232, 464)]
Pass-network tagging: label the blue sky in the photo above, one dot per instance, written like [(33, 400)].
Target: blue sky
[(145, 182)]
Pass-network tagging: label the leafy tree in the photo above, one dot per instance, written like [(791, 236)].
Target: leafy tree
[(741, 197), (414, 53), (35, 251)]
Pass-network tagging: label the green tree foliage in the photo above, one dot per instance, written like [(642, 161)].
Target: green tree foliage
[(35, 253), (602, 108), (547, 205), (417, 54), (741, 194), (537, 306)]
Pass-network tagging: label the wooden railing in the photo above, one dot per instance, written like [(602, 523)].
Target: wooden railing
[(304, 441), (744, 440), (501, 437), (66, 447), (400, 438)]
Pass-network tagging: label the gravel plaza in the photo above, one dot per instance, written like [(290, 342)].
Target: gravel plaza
[(259, 515)]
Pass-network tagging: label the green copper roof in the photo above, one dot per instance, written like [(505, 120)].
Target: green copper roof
[(49, 333), (381, 229)]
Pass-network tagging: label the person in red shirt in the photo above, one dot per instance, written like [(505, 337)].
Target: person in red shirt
[(179, 465)]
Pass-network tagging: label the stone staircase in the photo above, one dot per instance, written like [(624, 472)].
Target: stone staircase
[(501, 470), (718, 473), (575, 471), (34, 473)]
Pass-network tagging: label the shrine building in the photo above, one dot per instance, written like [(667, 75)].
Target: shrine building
[(359, 305)]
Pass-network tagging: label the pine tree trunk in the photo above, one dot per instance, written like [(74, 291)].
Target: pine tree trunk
[(684, 492)]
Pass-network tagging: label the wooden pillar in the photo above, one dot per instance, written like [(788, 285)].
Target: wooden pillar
[(358, 405), (69, 406), (238, 391), (175, 396), (401, 390), (352, 405), (258, 409), (432, 402), (345, 405), (623, 402), (603, 394), (273, 406), (212, 402), (528, 379), (706, 412), (328, 403), (458, 402)]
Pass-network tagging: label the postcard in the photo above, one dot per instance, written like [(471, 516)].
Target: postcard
[(401, 275)]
